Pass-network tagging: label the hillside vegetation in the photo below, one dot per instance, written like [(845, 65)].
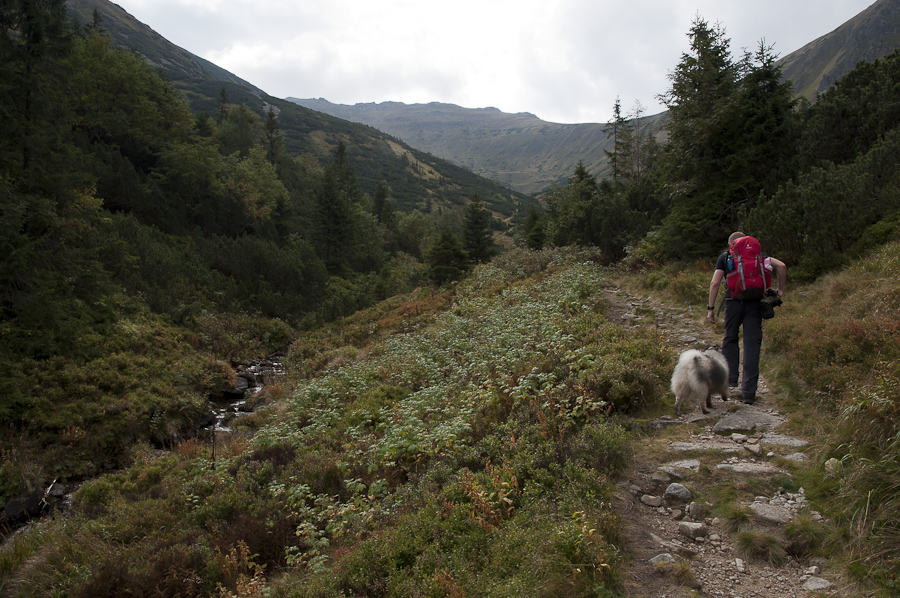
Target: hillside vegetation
[(817, 185), (872, 34), (417, 180), (147, 248), (453, 419), (436, 442)]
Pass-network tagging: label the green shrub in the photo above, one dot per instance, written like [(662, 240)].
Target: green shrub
[(680, 281)]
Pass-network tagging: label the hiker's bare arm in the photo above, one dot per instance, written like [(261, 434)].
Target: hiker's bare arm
[(714, 284), (780, 272)]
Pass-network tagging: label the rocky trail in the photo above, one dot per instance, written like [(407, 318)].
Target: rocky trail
[(679, 544)]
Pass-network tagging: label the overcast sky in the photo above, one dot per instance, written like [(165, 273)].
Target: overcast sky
[(565, 61)]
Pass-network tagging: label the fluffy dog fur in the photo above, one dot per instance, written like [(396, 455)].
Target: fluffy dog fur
[(700, 375)]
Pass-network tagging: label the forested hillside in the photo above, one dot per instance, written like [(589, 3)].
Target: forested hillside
[(416, 180), (818, 184), (873, 33), (147, 246)]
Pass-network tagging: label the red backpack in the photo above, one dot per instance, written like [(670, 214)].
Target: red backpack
[(749, 279)]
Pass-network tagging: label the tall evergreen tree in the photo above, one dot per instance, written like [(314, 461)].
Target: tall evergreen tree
[(222, 105), (381, 205), (638, 149), (569, 207), (274, 138), (617, 129), (767, 135), (34, 38), (337, 207), (706, 131), (534, 228), (446, 259), (701, 105), (477, 236)]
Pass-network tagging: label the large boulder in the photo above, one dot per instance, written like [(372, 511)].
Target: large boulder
[(23, 507), (678, 493)]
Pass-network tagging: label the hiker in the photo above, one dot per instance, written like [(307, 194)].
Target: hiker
[(743, 312)]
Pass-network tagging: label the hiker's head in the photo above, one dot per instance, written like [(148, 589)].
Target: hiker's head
[(734, 237)]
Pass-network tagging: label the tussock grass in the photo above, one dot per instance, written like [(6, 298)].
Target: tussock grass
[(736, 519), (681, 572), (760, 546), (804, 535)]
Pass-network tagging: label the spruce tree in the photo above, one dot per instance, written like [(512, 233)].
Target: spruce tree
[(533, 228), (381, 205), (718, 128), (338, 204), (445, 260), (274, 138), (616, 128), (477, 236)]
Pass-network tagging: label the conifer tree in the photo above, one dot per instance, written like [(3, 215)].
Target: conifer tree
[(274, 138), (616, 128), (336, 208), (34, 39), (446, 259), (222, 105), (569, 207), (533, 228), (719, 131), (381, 205), (477, 236)]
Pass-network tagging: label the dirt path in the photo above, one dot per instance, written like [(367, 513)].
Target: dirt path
[(698, 481)]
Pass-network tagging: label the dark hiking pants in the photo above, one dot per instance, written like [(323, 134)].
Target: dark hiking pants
[(746, 314)]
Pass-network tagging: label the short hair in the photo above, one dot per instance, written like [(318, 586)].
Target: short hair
[(735, 236)]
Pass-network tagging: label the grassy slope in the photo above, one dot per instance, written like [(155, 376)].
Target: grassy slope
[(444, 441), (459, 442)]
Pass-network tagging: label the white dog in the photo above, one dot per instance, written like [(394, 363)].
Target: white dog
[(700, 375)]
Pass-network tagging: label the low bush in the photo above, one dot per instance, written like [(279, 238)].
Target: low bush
[(680, 282)]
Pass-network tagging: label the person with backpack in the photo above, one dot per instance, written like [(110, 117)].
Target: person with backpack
[(748, 274)]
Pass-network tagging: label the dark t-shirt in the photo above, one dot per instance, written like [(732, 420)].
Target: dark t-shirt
[(722, 264)]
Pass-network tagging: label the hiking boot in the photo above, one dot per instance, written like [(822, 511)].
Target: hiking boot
[(735, 393), (749, 399)]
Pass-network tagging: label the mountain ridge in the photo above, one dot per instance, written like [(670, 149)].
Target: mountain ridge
[(519, 150), (871, 34), (529, 154)]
